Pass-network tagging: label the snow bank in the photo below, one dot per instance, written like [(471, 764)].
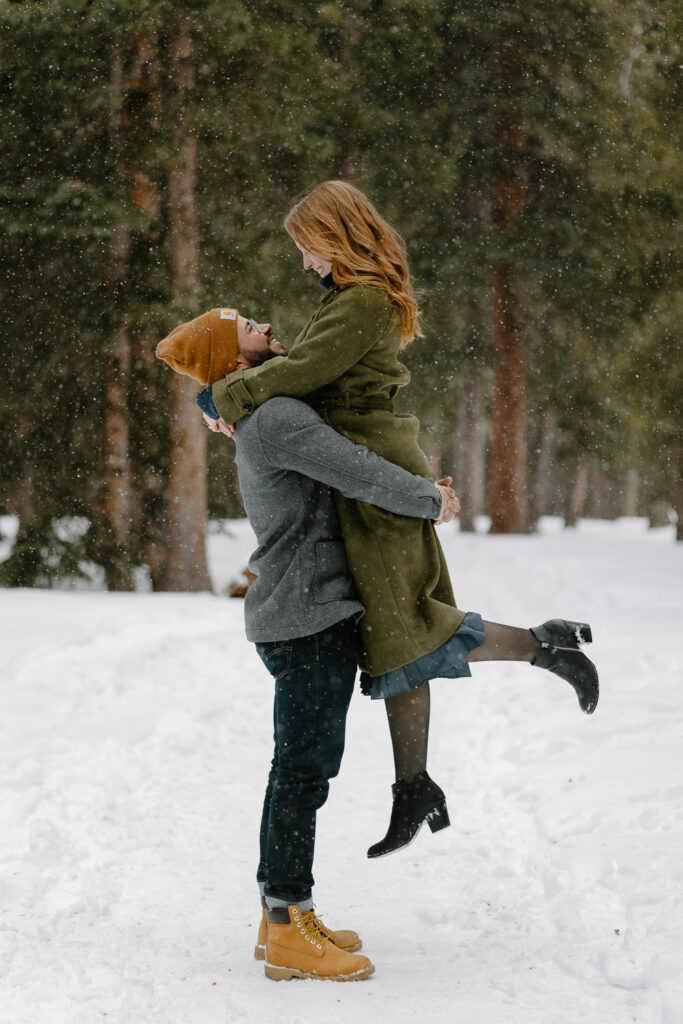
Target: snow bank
[(135, 738)]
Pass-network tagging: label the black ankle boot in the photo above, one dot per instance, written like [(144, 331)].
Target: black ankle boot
[(413, 803), (559, 653), (563, 633)]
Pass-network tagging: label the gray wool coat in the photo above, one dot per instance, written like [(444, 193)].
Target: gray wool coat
[(288, 458)]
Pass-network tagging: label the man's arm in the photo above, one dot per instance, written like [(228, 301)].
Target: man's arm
[(344, 332), (294, 437)]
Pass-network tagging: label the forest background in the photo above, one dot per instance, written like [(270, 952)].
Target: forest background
[(529, 154)]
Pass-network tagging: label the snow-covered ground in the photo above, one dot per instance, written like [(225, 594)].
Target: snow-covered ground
[(135, 739)]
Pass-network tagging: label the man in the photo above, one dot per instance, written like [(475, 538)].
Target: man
[(301, 612)]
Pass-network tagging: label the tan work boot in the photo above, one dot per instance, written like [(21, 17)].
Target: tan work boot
[(301, 949), (346, 940)]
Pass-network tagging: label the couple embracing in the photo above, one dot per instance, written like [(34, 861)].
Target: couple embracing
[(349, 569)]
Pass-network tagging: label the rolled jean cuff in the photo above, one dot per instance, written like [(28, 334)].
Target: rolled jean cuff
[(273, 903)]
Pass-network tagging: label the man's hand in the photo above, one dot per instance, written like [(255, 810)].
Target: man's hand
[(450, 505), (219, 426)]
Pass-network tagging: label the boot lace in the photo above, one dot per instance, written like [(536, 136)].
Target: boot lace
[(313, 924)]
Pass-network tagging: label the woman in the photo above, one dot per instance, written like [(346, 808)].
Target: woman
[(345, 362)]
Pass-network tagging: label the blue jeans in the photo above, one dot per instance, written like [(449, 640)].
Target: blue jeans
[(314, 679)]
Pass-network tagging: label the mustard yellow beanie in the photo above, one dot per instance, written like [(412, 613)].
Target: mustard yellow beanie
[(204, 348)]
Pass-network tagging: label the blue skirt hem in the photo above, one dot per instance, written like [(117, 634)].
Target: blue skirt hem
[(446, 662)]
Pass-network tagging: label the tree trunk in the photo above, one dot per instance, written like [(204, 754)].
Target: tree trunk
[(542, 483), (658, 514), (116, 435), (112, 513), (150, 481), (470, 448), (185, 557), (117, 566), (22, 503), (184, 565), (117, 531), (609, 494), (576, 499), (631, 493), (508, 474), (677, 496), (142, 116)]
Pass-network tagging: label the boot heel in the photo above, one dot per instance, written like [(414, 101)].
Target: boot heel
[(438, 818), (280, 973), (584, 633)]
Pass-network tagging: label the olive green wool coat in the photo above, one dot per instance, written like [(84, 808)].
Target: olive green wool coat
[(345, 364)]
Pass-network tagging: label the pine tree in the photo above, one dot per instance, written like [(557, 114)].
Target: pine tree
[(528, 161), (649, 370)]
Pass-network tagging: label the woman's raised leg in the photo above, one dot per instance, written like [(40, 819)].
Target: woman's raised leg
[(553, 646), (505, 643)]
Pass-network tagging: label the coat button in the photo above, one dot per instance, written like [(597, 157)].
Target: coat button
[(248, 406)]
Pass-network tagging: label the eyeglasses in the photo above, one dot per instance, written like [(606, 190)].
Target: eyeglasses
[(270, 340)]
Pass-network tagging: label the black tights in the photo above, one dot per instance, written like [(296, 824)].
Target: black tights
[(408, 713)]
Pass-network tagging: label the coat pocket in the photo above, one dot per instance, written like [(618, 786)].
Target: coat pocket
[(331, 580)]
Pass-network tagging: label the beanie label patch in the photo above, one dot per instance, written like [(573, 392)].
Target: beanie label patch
[(228, 314)]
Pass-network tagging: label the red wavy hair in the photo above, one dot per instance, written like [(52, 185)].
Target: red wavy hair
[(336, 222)]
